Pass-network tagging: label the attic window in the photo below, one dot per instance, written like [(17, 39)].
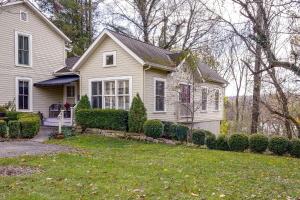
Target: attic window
[(109, 58), (23, 16)]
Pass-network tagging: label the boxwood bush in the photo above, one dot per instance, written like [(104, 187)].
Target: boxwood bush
[(167, 129), (258, 143), (109, 119), (11, 115), (153, 128), (30, 126), (222, 143), (278, 145), (295, 148), (3, 128), (238, 142), (14, 128), (210, 141), (179, 132), (198, 137)]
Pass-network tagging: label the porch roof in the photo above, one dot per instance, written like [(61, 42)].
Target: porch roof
[(58, 81)]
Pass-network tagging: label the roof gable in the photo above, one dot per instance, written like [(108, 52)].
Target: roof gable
[(41, 16), (144, 53)]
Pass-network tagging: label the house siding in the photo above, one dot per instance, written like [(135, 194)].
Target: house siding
[(48, 55), (126, 65)]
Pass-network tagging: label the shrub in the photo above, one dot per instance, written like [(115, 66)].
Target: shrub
[(238, 142), (153, 128), (14, 128), (221, 143), (198, 137), (3, 128), (30, 126), (167, 129), (110, 119), (84, 103), (295, 148), (278, 145), (210, 141), (258, 143), (68, 132), (179, 132), (12, 115), (137, 115)]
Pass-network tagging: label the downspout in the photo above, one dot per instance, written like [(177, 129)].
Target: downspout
[(144, 75)]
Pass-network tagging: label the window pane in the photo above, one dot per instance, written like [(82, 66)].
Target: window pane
[(26, 45), (20, 41), (121, 102), (160, 88), (160, 103), (185, 93), (26, 57), (109, 87), (21, 102), (127, 103), (94, 88), (204, 99), (70, 91), (20, 57), (109, 60), (121, 88), (100, 88), (21, 91), (25, 102)]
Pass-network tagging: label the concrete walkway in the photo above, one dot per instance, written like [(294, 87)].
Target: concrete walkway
[(33, 146)]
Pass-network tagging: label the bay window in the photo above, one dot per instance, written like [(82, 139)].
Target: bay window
[(111, 94)]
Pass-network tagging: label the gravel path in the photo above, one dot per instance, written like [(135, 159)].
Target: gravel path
[(19, 148)]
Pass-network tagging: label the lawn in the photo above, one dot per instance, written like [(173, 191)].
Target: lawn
[(109, 168)]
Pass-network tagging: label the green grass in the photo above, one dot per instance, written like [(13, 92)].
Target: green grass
[(119, 169)]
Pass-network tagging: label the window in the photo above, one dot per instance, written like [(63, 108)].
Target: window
[(204, 94), (112, 94), (185, 93), (217, 99), (70, 94), (23, 94), (109, 58), (97, 94), (23, 16), (160, 95), (23, 49)]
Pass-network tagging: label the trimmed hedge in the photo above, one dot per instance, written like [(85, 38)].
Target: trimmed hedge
[(210, 141), (258, 143), (167, 129), (278, 145), (14, 127), (179, 132), (3, 128), (30, 126), (11, 115), (198, 137), (153, 128), (109, 119), (221, 143), (238, 142), (295, 148)]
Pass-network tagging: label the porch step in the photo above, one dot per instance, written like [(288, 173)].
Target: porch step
[(54, 122)]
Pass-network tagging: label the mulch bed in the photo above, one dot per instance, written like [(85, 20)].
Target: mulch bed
[(18, 170)]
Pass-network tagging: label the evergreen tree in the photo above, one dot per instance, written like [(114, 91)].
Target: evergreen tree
[(137, 115), (84, 103)]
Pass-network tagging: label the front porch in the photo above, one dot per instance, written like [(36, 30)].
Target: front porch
[(60, 110)]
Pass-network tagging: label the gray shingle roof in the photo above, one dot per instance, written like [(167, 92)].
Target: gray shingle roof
[(209, 74), (147, 52), (70, 62), (58, 81)]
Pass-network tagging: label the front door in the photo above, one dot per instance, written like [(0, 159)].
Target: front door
[(70, 94)]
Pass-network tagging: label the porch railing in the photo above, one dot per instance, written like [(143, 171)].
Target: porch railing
[(60, 118), (73, 114)]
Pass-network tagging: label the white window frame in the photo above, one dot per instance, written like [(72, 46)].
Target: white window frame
[(165, 86), (17, 33), (110, 53), (27, 19), (219, 100), (129, 78), (206, 88), (29, 94), (75, 92)]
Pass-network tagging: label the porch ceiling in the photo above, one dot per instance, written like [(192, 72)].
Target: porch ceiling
[(58, 81)]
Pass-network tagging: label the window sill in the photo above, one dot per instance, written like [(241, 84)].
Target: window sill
[(216, 110), (19, 110), (106, 66), (25, 66), (160, 112), (203, 111)]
